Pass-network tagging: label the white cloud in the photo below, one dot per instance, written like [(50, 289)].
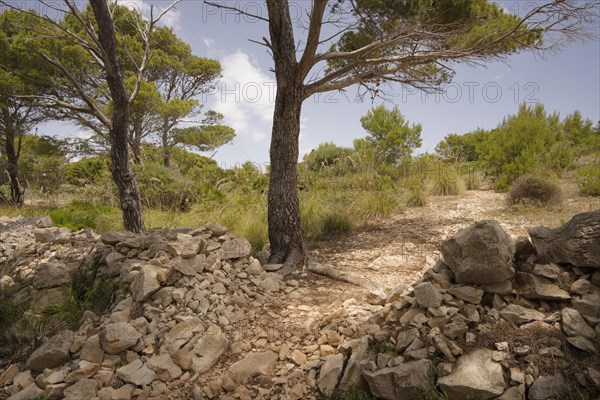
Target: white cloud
[(246, 96)]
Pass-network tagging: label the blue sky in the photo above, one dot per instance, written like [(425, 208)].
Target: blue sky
[(478, 97)]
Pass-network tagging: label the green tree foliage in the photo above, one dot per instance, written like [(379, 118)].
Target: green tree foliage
[(41, 162), (581, 132), (390, 134), (200, 169), (328, 157), (207, 136), (20, 75), (179, 77), (526, 143), (461, 147), (87, 171)]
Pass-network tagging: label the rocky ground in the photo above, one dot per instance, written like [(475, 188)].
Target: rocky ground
[(197, 317)]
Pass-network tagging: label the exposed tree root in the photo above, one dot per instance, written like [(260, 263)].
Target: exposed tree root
[(313, 266), (294, 260)]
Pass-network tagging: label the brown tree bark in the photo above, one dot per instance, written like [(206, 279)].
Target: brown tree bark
[(285, 234), (129, 194), (12, 156), (135, 142)]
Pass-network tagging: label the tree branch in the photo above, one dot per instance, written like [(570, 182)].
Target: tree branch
[(237, 10), (313, 38)]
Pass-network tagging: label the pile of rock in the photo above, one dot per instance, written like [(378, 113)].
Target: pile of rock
[(198, 317), (505, 319), (187, 293), (42, 257)]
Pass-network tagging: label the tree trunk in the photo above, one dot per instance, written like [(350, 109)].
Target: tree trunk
[(285, 235), (129, 194), (165, 145), (136, 143), (16, 191)]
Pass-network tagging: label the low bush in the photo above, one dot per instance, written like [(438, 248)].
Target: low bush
[(313, 209), (4, 194), (588, 179), (471, 178), (445, 180), (80, 214), (353, 393), (369, 205), (9, 312), (87, 171), (337, 223), (329, 159), (164, 188), (417, 197), (534, 190)]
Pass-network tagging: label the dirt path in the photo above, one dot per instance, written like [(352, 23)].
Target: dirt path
[(400, 248)]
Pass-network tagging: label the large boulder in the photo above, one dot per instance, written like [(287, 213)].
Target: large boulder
[(475, 376), (182, 333), (165, 368), (481, 253), (577, 242), (548, 387), (407, 381), (52, 353)]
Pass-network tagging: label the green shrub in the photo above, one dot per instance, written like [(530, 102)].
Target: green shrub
[(525, 143), (9, 312), (330, 159), (87, 291), (445, 180), (80, 214), (384, 347), (369, 205), (472, 181), (164, 188), (336, 223), (313, 209), (87, 171), (588, 179), (535, 190), (4, 193), (417, 197)]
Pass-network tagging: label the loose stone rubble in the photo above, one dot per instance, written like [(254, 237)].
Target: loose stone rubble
[(197, 317)]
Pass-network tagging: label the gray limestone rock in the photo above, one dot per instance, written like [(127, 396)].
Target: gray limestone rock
[(481, 253), (52, 353), (475, 376), (577, 242)]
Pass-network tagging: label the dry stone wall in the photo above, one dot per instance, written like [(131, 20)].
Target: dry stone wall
[(497, 318)]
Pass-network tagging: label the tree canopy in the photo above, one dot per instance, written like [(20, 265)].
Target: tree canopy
[(392, 137)]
